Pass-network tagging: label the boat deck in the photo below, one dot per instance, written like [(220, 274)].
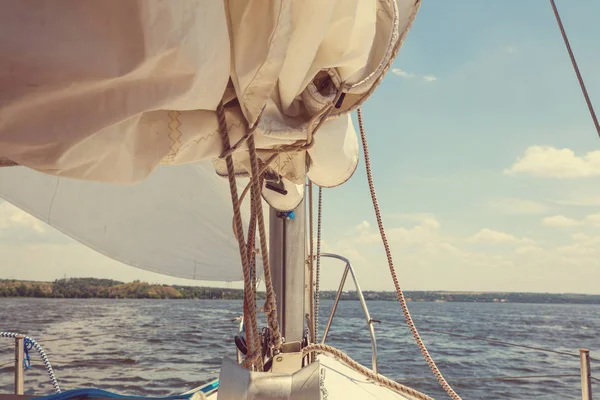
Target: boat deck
[(343, 382)]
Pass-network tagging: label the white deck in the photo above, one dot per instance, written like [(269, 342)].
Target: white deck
[(343, 383)]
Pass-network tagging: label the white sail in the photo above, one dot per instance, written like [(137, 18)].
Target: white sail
[(106, 92), (177, 222)]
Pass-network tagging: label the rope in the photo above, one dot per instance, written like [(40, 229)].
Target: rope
[(311, 264), (575, 67), (27, 345), (270, 303), (42, 353), (249, 299), (252, 254), (365, 371), (318, 270), (594, 378), (255, 184), (401, 299)]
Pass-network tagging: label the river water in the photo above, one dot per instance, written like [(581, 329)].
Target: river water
[(161, 347)]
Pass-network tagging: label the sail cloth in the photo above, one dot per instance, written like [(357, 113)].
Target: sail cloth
[(177, 222), (107, 91)]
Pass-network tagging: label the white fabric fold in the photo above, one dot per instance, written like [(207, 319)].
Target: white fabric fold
[(178, 222), (105, 94)]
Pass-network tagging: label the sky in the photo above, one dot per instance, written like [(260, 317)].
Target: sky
[(484, 156)]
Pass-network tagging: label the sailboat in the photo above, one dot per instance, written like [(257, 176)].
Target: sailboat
[(186, 138)]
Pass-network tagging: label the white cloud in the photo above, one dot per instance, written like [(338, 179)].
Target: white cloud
[(583, 248), (529, 250), (584, 201), (489, 236), (12, 217), (362, 226), (426, 257), (517, 206), (565, 222), (426, 219), (561, 221), (424, 229), (402, 73), (409, 75), (550, 162)]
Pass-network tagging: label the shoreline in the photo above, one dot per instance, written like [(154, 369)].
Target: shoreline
[(92, 288)]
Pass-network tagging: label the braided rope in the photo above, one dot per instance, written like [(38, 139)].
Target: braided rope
[(382, 380), (270, 303), (42, 354), (250, 246), (409, 321), (311, 264), (249, 299), (255, 185), (318, 267)]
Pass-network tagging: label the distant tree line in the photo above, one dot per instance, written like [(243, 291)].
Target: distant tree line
[(473, 297), (84, 288), (109, 289)]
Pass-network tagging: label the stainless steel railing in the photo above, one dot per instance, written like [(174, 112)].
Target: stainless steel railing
[(363, 304)]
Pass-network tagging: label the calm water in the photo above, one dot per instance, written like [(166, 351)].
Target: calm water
[(144, 347)]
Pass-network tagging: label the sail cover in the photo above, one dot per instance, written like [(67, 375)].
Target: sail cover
[(106, 94)]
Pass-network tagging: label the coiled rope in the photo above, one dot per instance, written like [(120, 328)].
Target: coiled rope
[(33, 344), (407, 317)]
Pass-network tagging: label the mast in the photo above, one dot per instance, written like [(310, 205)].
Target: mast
[(287, 252)]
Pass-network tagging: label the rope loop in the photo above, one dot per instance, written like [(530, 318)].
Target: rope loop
[(29, 344)]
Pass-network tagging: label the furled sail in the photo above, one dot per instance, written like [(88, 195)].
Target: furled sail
[(109, 92)]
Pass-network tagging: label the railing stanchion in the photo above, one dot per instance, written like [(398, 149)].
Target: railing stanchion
[(19, 368), (586, 382), (363, 304)]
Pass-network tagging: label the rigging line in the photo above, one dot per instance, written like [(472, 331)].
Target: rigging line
[(491, 340), (270, 301), (250, 320), (318, 266), (311, 263), (407, 317), (595, 379), (252, 253), (575, 67), (496, 378)]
